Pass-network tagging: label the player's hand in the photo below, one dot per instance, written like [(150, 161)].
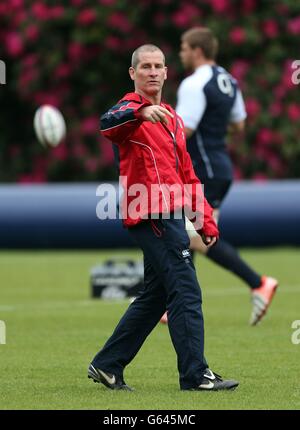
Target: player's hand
[(155, 113), (209, 240)]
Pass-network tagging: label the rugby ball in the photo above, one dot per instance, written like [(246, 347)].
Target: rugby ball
[(49, 126)]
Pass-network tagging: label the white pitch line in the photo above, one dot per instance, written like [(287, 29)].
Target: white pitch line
[(38, 306), (7, 308), (236, 291), (244, 290)]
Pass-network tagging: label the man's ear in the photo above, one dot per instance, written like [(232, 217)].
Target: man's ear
[(166, 72), (131, 73), (199, 52)]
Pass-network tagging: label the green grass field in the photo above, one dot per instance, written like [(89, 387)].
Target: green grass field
[(54, 329)]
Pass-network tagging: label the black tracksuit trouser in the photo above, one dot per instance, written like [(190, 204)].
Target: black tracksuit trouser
[(170, 283)]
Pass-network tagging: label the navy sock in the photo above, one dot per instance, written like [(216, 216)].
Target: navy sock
[(226, 256)]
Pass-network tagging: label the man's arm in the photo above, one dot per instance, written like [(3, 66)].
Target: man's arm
[(188, 132), (203, 222), (237, 127), (191, 104), (121, 120), (233, 128), (207, 228), (237, 115)]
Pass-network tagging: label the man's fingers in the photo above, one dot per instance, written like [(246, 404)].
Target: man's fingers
[(212, 241), (159, 114), (166, 111), (162, 116), (162, 112), (156, 114), (209, 240), (152, 119)]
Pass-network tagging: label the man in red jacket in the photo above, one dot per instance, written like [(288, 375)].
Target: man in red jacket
[(151, 150)]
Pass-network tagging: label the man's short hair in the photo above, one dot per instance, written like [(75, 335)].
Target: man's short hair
[(202, 37), (144, 48)]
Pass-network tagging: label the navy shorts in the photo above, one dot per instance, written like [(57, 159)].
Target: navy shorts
[(215, 190)]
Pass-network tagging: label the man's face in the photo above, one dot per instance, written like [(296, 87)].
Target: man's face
[(187, 55), (150, 73)]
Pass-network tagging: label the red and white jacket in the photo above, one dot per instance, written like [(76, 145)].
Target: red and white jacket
[(154, 154)]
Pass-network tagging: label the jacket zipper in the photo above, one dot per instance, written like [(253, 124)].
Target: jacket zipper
[(174, 142), (175, 150)]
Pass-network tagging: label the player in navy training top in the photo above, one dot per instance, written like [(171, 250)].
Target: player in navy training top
[(211, 103)]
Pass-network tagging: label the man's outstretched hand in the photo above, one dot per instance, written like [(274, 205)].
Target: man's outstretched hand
[(155, 113)]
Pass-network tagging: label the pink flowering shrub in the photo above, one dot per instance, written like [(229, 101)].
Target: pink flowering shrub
[(75, 54)]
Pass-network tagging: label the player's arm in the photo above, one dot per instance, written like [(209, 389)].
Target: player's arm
[(121, 120), (238, 115), (188, 132), (191, 104), (207, 229), (203, 221), (236, 127)]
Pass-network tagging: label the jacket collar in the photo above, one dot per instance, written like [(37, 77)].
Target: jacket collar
[(135, 97)]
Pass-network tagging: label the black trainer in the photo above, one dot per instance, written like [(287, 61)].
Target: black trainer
[(213, 382), (108, 379)]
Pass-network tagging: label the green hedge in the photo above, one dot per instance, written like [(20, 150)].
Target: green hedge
[(75, 55)]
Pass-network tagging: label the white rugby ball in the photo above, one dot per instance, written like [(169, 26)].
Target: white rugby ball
[(49, 125)]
